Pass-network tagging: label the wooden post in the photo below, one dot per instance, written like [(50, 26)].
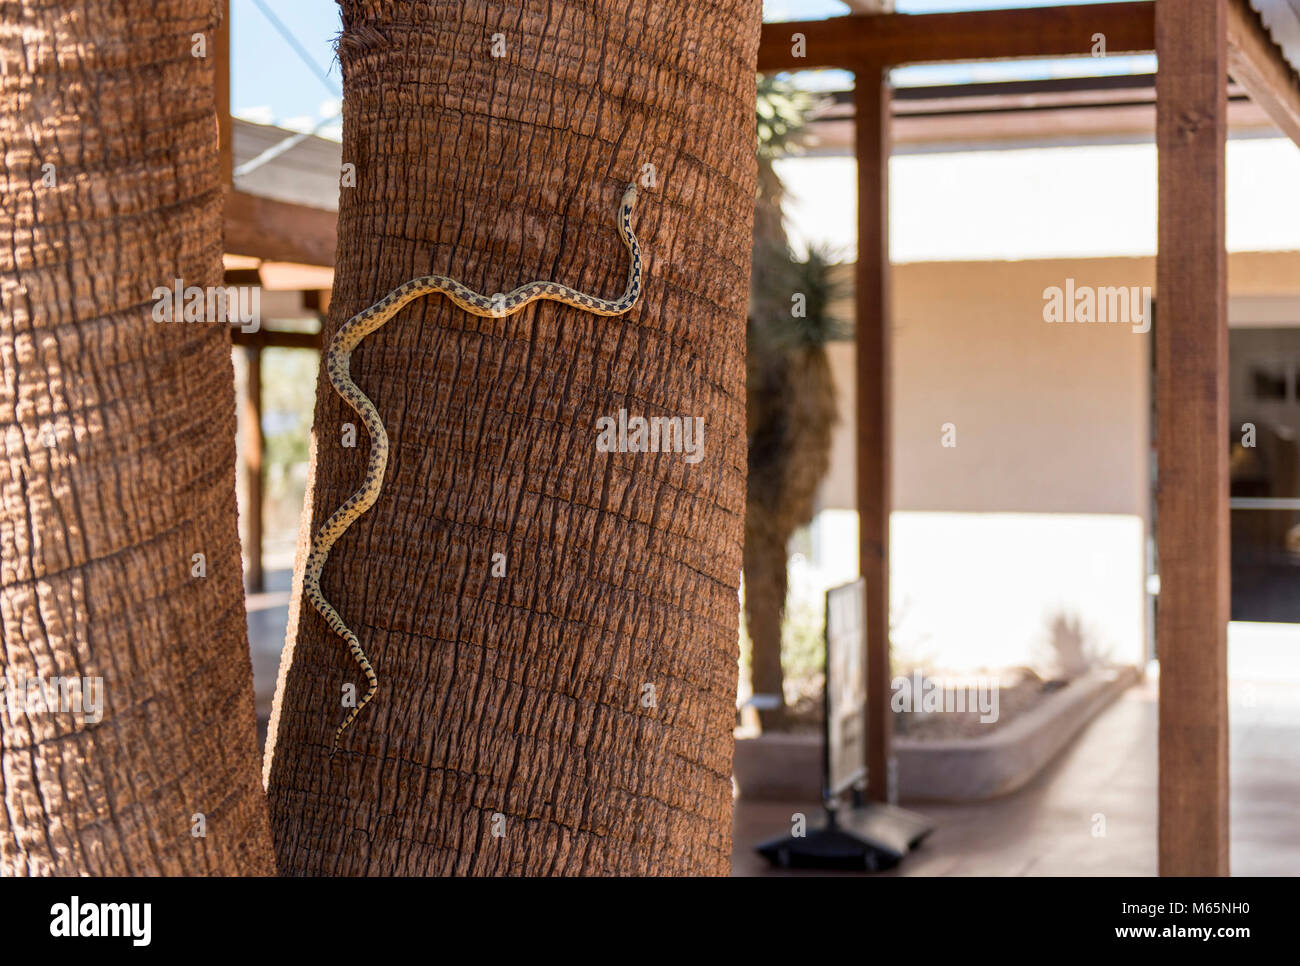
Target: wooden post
[(251, 413), (871, 102), (1192, 436)]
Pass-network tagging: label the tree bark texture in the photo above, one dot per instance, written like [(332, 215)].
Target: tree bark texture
[(119, 446), (575, 715), (791, 413)]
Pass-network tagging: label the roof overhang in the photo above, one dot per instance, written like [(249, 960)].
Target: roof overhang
[(1263, 42)]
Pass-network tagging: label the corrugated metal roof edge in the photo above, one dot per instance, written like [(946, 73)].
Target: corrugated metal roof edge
[(1282, 20)]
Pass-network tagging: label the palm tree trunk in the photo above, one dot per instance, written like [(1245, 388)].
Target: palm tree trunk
[(765, 593), (576, 714), (119, 457)]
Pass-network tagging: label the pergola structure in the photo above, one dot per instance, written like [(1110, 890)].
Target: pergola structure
[(263, 230), (1198, 44)]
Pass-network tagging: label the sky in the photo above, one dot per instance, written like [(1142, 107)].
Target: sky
[(270, 82), (274, 84)]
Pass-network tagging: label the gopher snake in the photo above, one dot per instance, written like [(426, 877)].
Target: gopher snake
[(338, 358)]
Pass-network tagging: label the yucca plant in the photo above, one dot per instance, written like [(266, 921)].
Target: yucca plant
[(791, 396)]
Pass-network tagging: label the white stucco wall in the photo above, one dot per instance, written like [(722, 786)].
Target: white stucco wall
[(1042, 507)]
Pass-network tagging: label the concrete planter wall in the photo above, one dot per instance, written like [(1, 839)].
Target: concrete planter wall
[(788, 767)]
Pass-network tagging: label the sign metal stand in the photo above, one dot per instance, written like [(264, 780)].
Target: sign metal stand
[(859, 836)]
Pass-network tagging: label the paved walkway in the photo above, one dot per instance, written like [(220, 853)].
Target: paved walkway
[(1047, 827), (1109, 773)]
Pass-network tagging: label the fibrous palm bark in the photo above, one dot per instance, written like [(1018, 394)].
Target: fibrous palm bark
[(119, 455), (792, 411), (791, 407), (574, 715)]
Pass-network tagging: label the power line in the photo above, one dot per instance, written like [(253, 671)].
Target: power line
[(298, 48)]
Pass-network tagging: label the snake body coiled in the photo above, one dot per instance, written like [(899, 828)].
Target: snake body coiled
[(338, 360)]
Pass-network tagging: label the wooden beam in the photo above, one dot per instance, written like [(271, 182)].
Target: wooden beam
[(871, 295), (1256, 63), (276, 339), (279, 231), (1048, 125), (892, 38), (243, 276), (1192, 435)]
